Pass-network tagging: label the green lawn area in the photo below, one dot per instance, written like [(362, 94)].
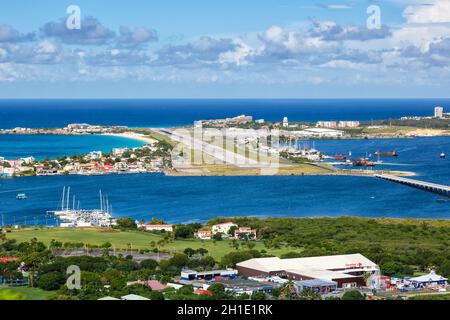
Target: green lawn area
[(24, 293), (443, 296), (160, 137), (138, 240)]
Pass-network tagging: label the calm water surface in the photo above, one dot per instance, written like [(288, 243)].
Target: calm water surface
[(183, 199)]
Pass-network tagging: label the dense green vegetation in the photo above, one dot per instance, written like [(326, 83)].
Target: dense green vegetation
[(25, 293), (138, 240), (399, 246), (101, 276), (432, 297)]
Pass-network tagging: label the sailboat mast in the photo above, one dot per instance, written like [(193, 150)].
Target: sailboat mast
[(101, 201), (68, 198), (63, 196)]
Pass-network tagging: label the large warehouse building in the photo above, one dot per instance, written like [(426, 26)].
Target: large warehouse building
[(346, 270)]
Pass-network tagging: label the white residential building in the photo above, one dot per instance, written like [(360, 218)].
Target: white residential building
[(118, 152), (223, 227), (321, 132), (245, 231), (204, 234), (348, 124), (336, 124), (95, 155), (439, 112), (326, 124), (156, 227), (28, 160)]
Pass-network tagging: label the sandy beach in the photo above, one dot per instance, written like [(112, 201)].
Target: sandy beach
[(133, 136)]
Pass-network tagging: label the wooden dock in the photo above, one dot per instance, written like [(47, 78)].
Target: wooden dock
[(426, 186)]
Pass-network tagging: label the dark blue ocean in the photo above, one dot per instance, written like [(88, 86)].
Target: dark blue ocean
[(166, 113), (184, 199)]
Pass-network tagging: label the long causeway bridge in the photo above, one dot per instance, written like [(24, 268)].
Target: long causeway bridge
[(426, 186)]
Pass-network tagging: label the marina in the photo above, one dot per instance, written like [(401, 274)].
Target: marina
[(74, 217)]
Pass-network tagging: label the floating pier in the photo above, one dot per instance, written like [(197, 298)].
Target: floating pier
[(425, 186)]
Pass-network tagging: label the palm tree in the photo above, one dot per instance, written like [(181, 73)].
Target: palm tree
[(367, 277), (288, 288)]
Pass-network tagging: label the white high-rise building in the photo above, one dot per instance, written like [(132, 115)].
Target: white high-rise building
[(438, 112)]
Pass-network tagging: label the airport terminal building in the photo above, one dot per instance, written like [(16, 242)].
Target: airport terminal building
[(346, 270)]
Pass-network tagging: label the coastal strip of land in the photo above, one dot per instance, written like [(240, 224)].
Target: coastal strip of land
[(177, 154)]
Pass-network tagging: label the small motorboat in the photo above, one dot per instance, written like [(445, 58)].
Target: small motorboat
[(442, 156), (21, 196)]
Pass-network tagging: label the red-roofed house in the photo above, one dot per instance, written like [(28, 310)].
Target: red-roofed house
[(204, 234), (245, 232), (8, 259), (152, 284), (156, 285), (203, 292)]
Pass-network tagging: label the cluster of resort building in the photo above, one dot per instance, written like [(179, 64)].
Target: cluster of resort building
[(143, 159), (338, 124), (155, 227), (327, 276), (74, 128), (222, 123), (228, 230), (438, 114)]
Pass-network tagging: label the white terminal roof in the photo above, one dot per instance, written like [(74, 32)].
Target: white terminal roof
[(313, 264), (133, 297), (431, 277)]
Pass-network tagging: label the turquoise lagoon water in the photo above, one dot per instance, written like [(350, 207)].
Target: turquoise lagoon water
[(41, 146)]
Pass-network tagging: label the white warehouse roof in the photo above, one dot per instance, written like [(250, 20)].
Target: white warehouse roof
[(339, 262), (431, 277)]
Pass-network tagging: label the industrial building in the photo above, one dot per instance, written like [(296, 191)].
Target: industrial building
[(345, 270), (192, 275), (317, 285)]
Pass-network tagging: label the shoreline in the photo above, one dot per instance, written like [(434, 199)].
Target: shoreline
[(132, 136), (314, 217), (195, 172)]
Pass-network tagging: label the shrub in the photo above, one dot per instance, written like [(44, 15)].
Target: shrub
[(51, 281), (353, 295)]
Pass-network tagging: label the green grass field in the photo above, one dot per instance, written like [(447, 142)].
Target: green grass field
[(24, 293), (138, 240)]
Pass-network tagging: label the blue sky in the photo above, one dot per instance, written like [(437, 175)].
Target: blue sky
[(225, 49)]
